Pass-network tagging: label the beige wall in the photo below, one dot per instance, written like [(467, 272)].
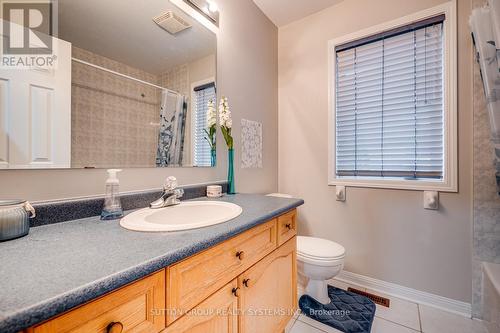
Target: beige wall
[(387, 233), (247, 73), (202, 69)]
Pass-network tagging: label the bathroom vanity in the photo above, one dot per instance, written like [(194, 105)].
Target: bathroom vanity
[(238, 276)]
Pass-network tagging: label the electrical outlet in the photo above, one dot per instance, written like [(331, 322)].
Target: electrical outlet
[(340, 194), (431, 200)]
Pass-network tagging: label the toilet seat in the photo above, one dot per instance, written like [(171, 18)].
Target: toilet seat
[(319, 262), (319, 250)]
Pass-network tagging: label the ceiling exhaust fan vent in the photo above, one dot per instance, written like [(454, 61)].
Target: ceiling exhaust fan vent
[(171, 22)]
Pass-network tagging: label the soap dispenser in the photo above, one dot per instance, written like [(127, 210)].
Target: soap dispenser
[(112, 206)]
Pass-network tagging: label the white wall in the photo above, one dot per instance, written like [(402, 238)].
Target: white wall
[(387, 233), (247, 73), (202, 69)]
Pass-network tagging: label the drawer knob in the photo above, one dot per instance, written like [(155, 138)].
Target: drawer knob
[(236, 291), (240, 255), (246, 282), (288, 226), (115, 327)]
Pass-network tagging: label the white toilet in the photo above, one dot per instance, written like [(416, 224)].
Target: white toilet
[(319, 260)]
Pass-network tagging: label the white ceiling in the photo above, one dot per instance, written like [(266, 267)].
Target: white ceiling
[(282, 12), (123, 30)]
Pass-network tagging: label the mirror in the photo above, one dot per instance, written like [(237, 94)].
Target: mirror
[(133, 87)]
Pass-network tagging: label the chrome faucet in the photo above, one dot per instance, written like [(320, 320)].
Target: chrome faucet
[(170, 196)]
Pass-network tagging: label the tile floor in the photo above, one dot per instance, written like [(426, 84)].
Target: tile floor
[(402, 317)]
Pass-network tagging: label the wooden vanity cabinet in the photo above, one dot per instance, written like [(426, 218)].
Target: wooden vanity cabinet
[(262, 299), (247, 284)]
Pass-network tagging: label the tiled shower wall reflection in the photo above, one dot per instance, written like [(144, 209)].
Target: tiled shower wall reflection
[(113, 118), (176, 79), (486, 221)]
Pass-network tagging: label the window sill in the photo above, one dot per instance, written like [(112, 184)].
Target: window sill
[(395, 184)]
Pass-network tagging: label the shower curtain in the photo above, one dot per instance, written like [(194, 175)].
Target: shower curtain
[(173, 111)]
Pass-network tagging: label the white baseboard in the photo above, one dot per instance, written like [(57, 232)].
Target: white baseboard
[(409, 294)]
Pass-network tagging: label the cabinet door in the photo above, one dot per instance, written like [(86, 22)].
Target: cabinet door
[(268, 295), (217, 314)]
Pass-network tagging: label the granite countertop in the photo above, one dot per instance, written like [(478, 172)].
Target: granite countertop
[(60, 266)]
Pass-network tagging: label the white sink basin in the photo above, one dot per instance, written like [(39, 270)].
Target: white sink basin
[(186, 215)]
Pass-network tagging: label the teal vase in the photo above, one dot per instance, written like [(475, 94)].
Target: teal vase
[(230, 172), (213, 157)]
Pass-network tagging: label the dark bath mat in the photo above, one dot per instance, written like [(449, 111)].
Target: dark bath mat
[(347, 311)]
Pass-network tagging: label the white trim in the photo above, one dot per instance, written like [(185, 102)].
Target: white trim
[(450, 180), (409, 294)]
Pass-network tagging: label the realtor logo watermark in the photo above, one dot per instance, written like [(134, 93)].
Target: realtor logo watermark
[(27, 34)]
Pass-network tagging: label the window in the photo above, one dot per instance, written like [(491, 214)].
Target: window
[(392, 117), (202, 94)]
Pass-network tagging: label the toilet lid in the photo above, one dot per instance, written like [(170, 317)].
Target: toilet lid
[(319, 248)]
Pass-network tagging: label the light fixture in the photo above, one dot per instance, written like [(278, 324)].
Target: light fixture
[(200, 10), (212, 6), (207, 8)]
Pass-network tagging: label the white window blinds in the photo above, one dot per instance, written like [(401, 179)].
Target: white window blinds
[(389, 104), (201, 147)]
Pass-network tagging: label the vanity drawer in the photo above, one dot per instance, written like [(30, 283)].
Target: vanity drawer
[(138, 307), (287, 227), (194, 279)]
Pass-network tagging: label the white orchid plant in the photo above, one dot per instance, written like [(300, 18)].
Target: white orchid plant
[(210, 130), (225, 121)]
